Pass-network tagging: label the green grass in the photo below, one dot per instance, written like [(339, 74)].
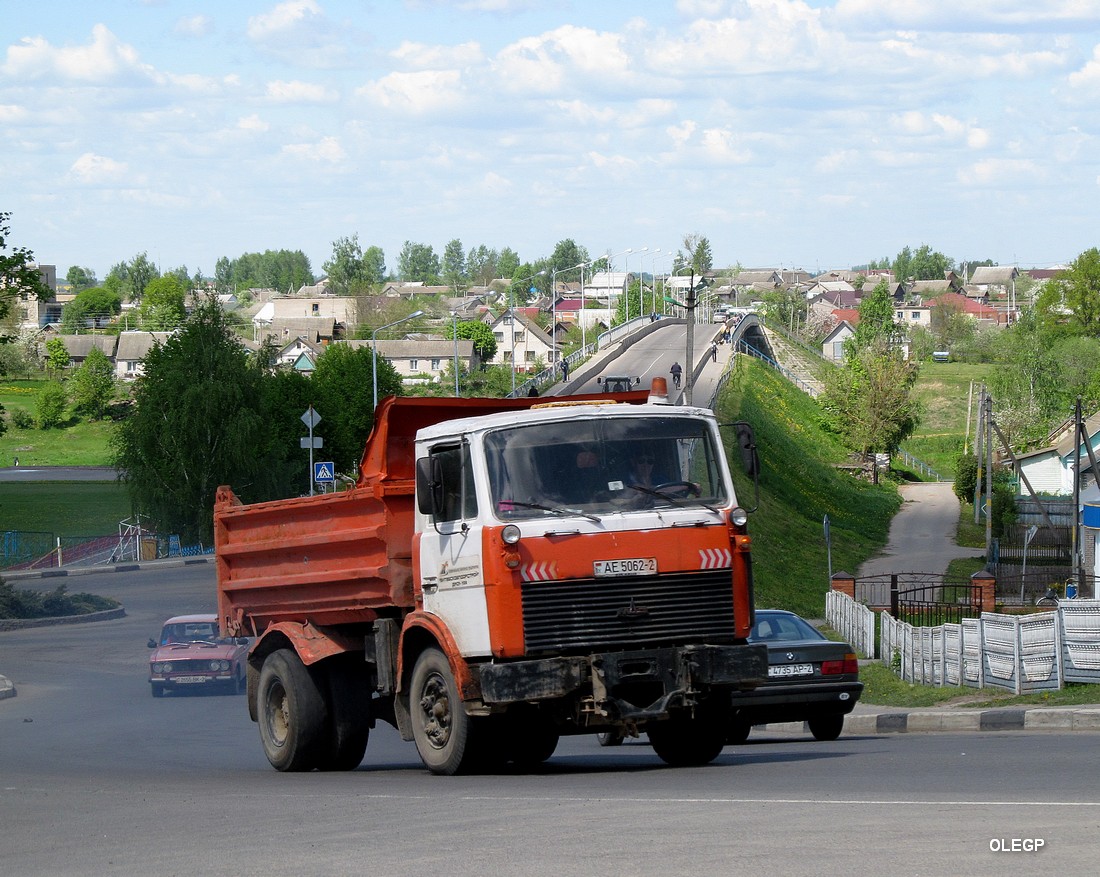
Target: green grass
[(75, 444), (944, 391), (64, 508), (799, 486)]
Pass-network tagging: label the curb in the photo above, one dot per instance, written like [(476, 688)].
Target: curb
[(955, 721), (120, 567)]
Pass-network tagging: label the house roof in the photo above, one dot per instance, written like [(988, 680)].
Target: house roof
[(417, 348), (79, 346), (133, 346), (994, 275)]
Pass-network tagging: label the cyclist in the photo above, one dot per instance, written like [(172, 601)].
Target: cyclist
[(677, 372)]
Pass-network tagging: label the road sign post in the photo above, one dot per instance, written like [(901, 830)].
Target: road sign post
[(311, 418)]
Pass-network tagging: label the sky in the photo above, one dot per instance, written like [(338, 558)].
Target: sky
[(811, 134)]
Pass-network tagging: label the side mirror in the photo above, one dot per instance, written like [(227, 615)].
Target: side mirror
[(152, 643), (746, 443), (429, 486)]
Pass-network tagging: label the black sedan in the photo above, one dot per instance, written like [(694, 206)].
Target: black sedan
[(810, 679)]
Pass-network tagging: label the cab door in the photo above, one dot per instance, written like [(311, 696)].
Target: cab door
[(451, 568)]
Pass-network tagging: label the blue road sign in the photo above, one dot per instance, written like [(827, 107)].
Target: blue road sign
[(323, 471)]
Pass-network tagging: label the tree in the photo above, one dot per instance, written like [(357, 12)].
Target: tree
[(485, 342), (374, 265), (163, 305), (924, 264), (418, 262), (140, 272), (51, 406), (454, 265), (1026, 384), (345, 269), (57, 355), (876, 321), (950, 324), (19, 276), (92, 386), (508, 263), (695, 255), (89, 307), (566, 256), (869, 399), (1080, 288), (342, 385), (481, 265), (195, 424), (80, 278)]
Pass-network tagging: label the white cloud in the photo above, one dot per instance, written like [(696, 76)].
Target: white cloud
[(999, 172), (194, 26), (94, 169), (11, 113), (105, 60), (252, 123), (421, 56), (565, 59), (327, 150), (300, 92), (420, 92), (721, 147), (283, 19), (1087, 79)]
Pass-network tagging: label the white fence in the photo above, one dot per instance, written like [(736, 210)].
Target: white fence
[(1022, 653), (852, 620)]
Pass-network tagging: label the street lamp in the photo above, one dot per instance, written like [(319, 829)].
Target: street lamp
[(454, 329), (512, 322), (689, 312), (554, 308), (653, 274), (610, 258), (374, 349), (626, 304)]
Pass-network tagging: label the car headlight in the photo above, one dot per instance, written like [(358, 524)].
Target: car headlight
[(218, 665)]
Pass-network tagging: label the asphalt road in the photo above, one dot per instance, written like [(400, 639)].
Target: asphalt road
[(56, 473), (98, 777)]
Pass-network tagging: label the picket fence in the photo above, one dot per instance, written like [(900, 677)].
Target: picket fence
[(1021, 653), (852, 620)]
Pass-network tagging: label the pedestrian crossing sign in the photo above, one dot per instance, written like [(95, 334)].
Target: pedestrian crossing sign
[(323, 471)]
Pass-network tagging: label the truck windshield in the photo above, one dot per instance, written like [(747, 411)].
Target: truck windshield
[(603, 466)]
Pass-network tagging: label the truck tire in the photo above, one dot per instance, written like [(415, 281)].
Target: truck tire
[(531, 737), (826, 727), (738, 732), (347, 697), (443, 732), (291, 713), (613, 737), (687, 742)]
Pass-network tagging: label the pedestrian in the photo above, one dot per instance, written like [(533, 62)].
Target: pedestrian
[(16, 463), (564, 370), (714, 351), (534, 391)]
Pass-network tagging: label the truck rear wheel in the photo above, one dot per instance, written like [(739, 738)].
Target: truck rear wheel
[(348, 701), (441, 728), (291, 713), (687, 742)]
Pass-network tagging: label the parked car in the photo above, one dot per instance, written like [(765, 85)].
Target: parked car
[(618, 383), (810, 678), (190, 655)]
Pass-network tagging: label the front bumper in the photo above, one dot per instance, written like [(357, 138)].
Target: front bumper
[(638, 685)]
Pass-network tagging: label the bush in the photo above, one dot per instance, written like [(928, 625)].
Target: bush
[(55, 604), (21, 418), (51, 406)]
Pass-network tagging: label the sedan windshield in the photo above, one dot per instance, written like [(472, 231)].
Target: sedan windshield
[(596, 467)]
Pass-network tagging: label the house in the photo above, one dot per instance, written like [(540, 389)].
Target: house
[(832, 348), (420, 357), (520, 341), (913, 315), (131, 351), (79, 346), (995, 280), (318, 330), (927, 289), (341, 309), (299, 354), (1051, 469)]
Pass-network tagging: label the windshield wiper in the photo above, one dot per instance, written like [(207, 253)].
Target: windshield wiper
[(672, 500), (562, 512)]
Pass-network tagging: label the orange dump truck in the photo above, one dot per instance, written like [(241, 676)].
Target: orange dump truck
[(503, 572)]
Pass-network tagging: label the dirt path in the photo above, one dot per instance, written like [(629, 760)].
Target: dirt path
[(922, 533)]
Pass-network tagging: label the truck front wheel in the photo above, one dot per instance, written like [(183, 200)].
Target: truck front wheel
[(441, 728), (687, 742), (291, 713)]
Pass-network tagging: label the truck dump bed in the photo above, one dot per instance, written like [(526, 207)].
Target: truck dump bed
[(338, 558)]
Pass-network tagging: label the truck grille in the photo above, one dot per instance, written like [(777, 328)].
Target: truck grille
[(585, 614)]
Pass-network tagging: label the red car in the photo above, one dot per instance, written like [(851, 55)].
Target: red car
[(190, 655)]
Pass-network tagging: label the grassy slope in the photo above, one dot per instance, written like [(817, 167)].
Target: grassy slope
[(799, 486), (944, 391), (64, 508), (77, 444)]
